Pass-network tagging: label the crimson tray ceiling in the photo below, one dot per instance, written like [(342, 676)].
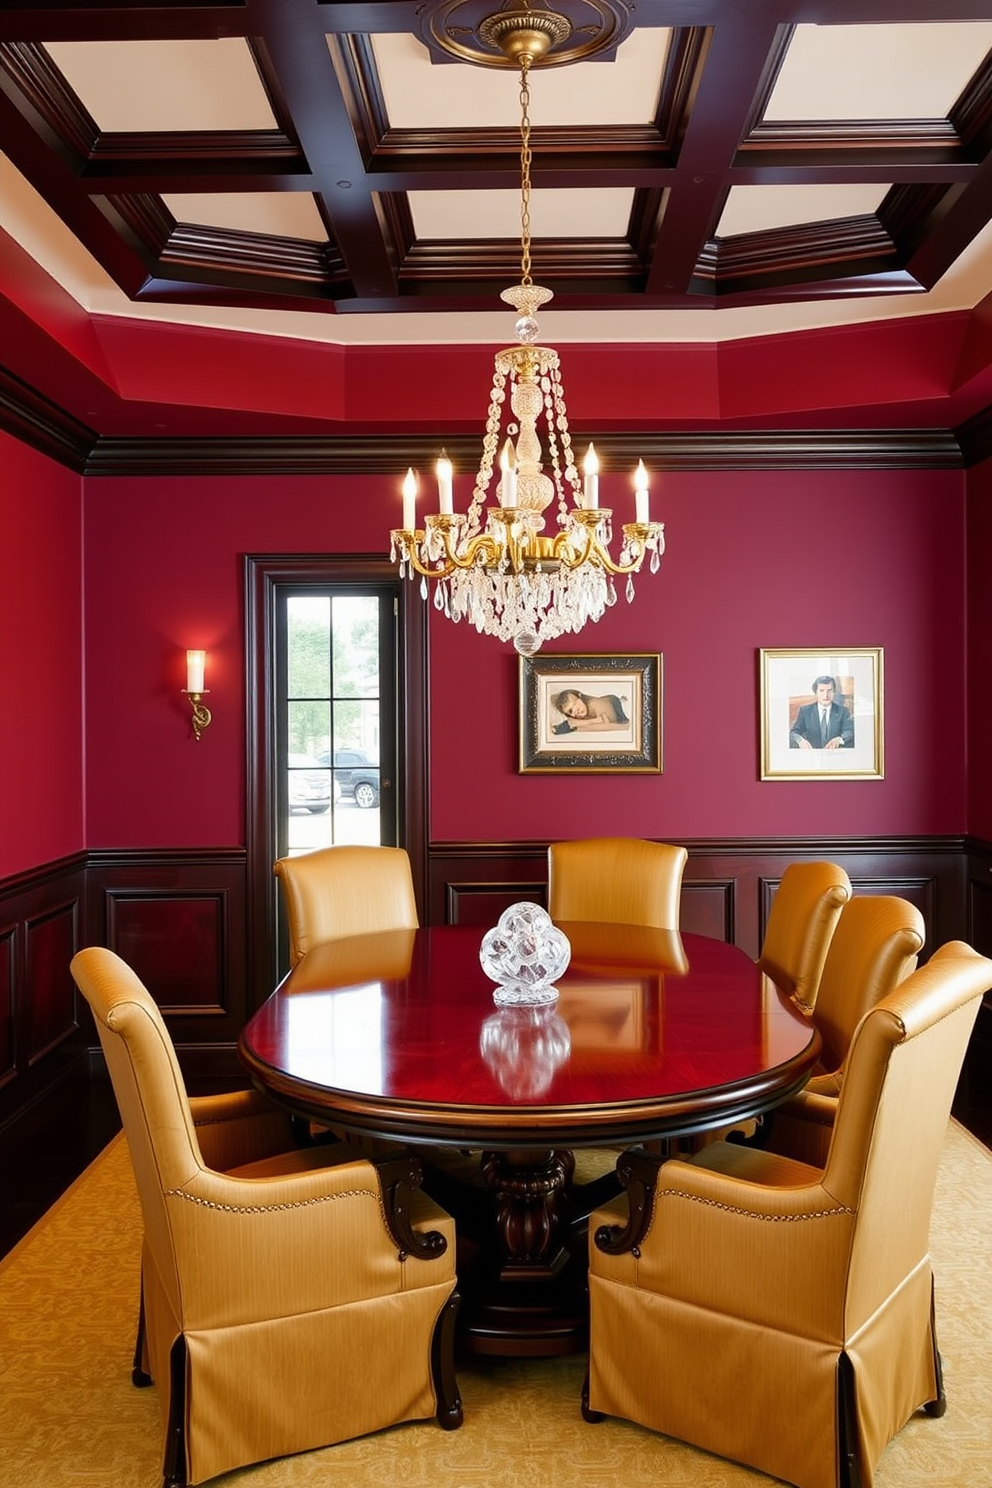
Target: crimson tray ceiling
[(326, 157)]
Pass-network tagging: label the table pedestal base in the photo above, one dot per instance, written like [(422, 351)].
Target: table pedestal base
[(522, 1257)]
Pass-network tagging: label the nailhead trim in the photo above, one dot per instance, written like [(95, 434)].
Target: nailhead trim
[(677, 1193), (351, 1193)]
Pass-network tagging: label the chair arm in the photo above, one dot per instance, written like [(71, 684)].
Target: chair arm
[(237, 1127), (399, 1179), (638, 1173)]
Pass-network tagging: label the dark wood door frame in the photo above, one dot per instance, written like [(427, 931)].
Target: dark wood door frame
[(263, 573)]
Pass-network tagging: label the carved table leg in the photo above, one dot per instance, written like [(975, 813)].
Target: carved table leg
[(529, 1190), (527, 1296)]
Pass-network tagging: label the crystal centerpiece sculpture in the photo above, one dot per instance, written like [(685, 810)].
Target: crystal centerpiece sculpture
[(523, 954)]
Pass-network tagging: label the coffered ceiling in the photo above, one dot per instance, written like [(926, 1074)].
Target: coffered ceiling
[(329, 170)]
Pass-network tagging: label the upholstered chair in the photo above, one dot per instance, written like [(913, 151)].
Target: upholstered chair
[(340, 891), (616, 880), (875, 946), (781, 1314), (801, 921), (268, 1272)]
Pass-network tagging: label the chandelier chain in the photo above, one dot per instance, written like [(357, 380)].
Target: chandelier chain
[(494, 565), (525, 158)]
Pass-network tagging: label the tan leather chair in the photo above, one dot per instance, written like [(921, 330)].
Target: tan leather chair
[(340, 891), (874, 947), (780, 1314), (801, 922), (616, 880), (268, 1271)]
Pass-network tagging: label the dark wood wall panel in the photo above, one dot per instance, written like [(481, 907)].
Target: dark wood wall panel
[(8, 946), (50, 942), (177, 944), (179, 919), (708, 908), (42, 1037), (483, 903)]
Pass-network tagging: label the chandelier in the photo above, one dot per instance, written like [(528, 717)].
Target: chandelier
[(496, 566)]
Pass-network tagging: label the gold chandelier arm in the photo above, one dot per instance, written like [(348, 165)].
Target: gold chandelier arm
[(638, 537), (481, 547)]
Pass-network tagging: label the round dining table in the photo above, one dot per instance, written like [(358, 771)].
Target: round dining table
[(517, 1111)]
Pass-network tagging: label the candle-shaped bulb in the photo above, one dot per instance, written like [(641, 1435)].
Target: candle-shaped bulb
[(409, 502), (640, 493), (508, 467), (444, 492), (196, 663), (590, 485)]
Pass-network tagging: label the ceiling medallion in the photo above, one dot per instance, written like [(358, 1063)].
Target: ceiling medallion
[(493, 566), (573, 31)]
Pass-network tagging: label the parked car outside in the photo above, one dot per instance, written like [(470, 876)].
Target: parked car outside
[(310, 785), (356, 774)]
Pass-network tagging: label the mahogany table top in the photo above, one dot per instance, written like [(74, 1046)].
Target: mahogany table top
[(653, 1034)]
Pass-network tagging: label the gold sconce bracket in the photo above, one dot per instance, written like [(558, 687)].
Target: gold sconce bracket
[(201, 713)]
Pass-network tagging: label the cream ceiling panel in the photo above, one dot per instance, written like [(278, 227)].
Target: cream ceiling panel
[(421, 95), (752, 209), (496, 214), (165, 85), (877, 72), (281, 214)]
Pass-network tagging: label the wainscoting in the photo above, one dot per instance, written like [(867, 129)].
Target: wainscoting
[(182, 919)]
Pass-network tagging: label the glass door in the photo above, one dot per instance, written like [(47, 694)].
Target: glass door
[(335, 724)]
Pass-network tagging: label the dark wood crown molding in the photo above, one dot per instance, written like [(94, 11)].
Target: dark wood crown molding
[(34, 419)]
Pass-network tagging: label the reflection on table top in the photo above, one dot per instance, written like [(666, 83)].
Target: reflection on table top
[(652, 1032)]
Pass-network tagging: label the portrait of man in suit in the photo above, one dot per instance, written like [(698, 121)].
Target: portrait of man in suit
[(824, 723)]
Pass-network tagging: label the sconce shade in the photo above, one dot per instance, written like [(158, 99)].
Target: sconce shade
[(196, 665)]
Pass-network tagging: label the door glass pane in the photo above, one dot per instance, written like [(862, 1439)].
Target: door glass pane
[(333, 721)]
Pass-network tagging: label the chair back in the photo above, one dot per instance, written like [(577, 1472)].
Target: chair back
[(341, 891), (874, 947), (902, 1070), (150, 1092), (616, 880), (801, 922)]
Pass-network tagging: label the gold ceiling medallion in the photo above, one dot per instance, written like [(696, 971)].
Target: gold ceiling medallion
[(573, 31), (493, 566)]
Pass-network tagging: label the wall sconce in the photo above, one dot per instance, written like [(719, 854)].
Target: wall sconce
[(196, 664)]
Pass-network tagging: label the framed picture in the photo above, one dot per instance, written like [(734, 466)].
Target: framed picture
[(821, 714), (594, 714)]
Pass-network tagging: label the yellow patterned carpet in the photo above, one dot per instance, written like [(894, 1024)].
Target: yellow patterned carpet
[(70, 1418)]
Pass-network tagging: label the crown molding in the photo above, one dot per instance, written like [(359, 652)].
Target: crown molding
[(383, 454), (34, 419)]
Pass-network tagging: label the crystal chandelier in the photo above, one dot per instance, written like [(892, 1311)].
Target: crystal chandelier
[(495, 566)]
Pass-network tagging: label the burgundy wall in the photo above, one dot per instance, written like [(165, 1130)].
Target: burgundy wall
[(41, 754), (979, 650), (763, 559), (804, 559)]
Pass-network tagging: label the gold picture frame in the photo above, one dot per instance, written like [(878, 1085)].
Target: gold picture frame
[(821, 714), (591, 714)]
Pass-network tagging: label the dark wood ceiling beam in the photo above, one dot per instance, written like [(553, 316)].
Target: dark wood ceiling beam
[(732, 69), (51, 172), (962, 213), (296, 48), (36, 21)]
